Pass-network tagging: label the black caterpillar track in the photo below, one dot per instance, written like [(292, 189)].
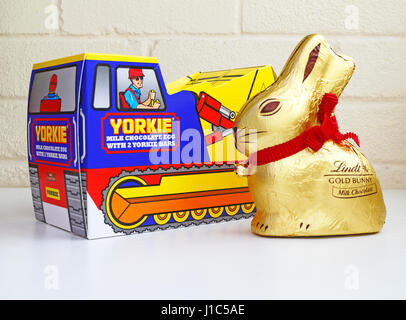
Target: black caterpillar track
[(74, 202), (36, 193), (193, 168)]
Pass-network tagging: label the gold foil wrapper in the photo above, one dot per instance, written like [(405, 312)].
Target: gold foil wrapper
[(333, 191)]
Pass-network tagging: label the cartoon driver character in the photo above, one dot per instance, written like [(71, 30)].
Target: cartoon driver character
[(132, 95), (51, 102), (52, 87)]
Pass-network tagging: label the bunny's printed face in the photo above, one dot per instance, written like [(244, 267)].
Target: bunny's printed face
[(289, 106)]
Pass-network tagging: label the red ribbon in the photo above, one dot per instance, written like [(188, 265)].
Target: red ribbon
[(313, 138)]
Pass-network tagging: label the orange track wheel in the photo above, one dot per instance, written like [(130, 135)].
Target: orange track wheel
[(162, 218), (248, 207), (232, 210), (181, 216), (216, 212), (116, 205), (198, 214)]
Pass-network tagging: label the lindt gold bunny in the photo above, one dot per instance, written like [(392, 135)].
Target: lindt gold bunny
[(306, 179)]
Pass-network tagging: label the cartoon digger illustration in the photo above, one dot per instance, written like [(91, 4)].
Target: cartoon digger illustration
[(130, 98)]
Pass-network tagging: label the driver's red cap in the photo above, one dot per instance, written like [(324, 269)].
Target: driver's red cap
[(132, 73), (52, 83)]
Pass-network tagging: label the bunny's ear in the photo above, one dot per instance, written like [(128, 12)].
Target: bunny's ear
[(314, 67), (313, 56), (327, 71), (303, 61)]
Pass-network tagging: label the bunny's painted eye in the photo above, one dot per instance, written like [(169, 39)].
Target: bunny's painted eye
[(269, 107)]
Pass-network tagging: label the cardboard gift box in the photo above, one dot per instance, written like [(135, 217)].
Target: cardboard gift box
[(114, 150)]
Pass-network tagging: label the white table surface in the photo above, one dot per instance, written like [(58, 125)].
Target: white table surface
[(215, 261)]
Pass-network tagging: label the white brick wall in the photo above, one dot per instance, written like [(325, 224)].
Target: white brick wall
[(194, 35)]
